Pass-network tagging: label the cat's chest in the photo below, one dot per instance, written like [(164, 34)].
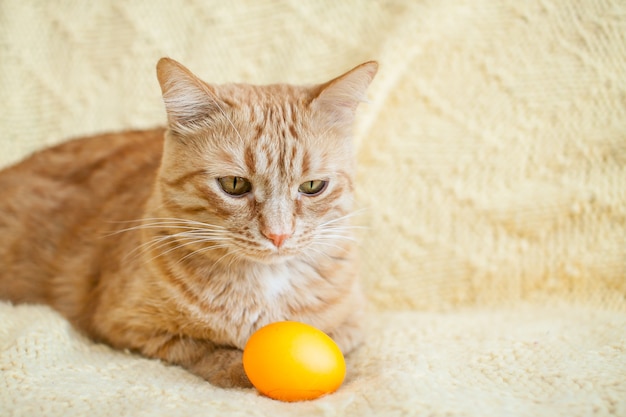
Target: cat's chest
[(253, 289), (234, 305)]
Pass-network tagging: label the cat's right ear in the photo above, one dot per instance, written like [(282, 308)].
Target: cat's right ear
[(339, 98), (189, 102)]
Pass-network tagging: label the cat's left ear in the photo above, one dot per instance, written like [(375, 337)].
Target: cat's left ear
[(339, 98), (188, 100)]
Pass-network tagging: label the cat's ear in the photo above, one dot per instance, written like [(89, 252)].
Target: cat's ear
[(188, 100), (339, 98)]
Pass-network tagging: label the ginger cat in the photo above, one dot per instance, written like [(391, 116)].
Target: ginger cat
[(179, 243)]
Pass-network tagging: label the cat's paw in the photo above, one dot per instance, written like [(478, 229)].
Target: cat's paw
[(223, 368)]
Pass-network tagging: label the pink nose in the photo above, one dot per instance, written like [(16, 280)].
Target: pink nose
[(276, 239)]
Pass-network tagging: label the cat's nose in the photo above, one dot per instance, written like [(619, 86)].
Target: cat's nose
[(277, 239)]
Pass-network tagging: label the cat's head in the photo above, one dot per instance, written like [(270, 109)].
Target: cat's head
[(263, 172)]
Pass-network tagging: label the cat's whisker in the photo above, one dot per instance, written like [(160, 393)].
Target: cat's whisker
[(191, 238), (161, 241), (334, 232), (331, 230), (346, 227), (155, 243), (195, 234), (190, 230), (178, 247), (336, 237), (175, 220), (330, 245), (168, 222), (162, 225), (316, 251), (202, 250), (336, 229), (199, 235), (344, 217), (308, 256)]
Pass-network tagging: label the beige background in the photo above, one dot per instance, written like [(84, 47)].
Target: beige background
[(492, 175)]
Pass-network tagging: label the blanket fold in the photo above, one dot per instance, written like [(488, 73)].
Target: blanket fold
[(492, 183)]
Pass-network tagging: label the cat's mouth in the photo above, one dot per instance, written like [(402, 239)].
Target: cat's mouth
[(271, 257), (267, 252), (267, 255)]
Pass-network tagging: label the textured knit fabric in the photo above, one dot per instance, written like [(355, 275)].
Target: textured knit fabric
[(492, 184)]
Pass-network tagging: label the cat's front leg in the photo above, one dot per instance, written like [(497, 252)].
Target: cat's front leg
[(349, 335), (221, 366)]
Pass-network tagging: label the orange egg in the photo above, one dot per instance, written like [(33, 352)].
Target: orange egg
[(291, 361)]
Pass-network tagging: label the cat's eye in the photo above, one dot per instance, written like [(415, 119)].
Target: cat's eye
[(235, 186), (314, 187)]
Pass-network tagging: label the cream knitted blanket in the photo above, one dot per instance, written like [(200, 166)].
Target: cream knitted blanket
[(492, 159)]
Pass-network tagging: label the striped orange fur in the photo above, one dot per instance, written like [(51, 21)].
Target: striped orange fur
[(178, 243)]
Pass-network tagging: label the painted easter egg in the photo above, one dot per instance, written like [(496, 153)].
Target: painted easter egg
[(292, 361)]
